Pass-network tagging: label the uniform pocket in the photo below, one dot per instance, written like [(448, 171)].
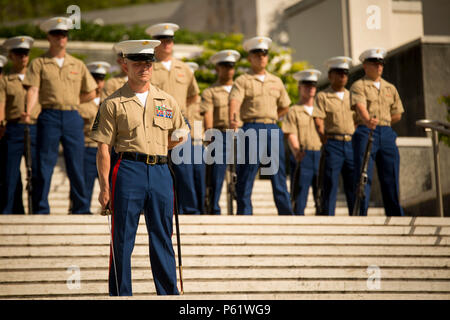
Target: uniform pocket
[(133, 122), (73, 76), (161, 132), (182, 79), (332, 113), (303, 122), (163, 123), (388, 98), (274, 93)]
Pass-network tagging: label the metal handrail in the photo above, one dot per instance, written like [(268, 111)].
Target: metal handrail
[(436, 126), (442, 127)]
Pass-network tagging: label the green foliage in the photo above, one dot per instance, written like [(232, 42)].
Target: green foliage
[(27, 9), (446, 101)]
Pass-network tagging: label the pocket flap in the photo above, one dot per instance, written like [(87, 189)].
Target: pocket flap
[(163, 123), (133, 123)]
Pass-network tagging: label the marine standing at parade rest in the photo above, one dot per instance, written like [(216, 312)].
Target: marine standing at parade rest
[(12, 109), (175, 77), (303, 138), (378, 106), (139, 120), (334, 120), (88, 111), (60, 82), (215, 107), (261, 99), (116, 82)]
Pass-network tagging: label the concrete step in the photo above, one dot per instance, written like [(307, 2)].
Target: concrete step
[(236, 220), (141, 249), (233, 262), (193, 274), (239, 286), (239, 230), (235, 240)]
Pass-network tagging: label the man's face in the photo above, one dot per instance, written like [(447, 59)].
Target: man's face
[(166, 46), (225, 72), (58, 38), (19, 58), (139, 71), (258, 60), (373, 69), (338, 78), (100, 83), (307, 90)]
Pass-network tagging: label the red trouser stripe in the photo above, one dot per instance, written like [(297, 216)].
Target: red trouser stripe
[(113, 182)]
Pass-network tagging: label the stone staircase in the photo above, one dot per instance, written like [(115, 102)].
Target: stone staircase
[(236, 257), (263, 256)]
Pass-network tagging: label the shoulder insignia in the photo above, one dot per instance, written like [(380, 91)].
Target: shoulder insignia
[(96, 121)]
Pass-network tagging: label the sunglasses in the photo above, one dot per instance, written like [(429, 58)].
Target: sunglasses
[(55, 33), (261, 52)]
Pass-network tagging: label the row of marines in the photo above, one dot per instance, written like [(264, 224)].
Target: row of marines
[(123, 131), (325, 119)]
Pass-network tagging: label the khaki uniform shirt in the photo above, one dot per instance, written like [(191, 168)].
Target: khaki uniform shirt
[(88, 111), (193, 115), (122, 122), (112, 84), (59, 88), (380, 103), (299, 122), (337, 114), (215, 99), (179, 82), (14, 95), (260, 100)]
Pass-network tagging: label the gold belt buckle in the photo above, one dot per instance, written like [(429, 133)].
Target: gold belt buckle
[(147, 161)]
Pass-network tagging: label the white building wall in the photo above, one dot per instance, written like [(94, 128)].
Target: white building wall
[(316, 34), (321, 29)]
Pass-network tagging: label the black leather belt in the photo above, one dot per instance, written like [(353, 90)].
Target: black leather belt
[(146, 158)]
